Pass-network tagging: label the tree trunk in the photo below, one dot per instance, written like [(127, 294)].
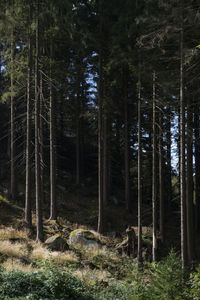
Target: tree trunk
[(109, 158), (28, 215), (182, 159), (105, 159), (100, 125), (139, 177), (53, 210), (189, 186), (161, 165), (12, 127), (41, 139), (154, 201), (126, 144), (78, 135), (197, 168), (100, 146), (39, 222)]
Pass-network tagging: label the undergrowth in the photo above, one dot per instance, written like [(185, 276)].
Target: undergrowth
[(164, 280)]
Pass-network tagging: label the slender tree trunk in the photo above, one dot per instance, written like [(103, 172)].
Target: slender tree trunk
[(100, 126), (105, 159), (78, 136), (28, 215), (126, 145), (12, 127), (39, 237), (53, 210), (109, 158), (139, 177), (161, 165), (189, 186), (182, 159), (100, 146), (154, 201), (197, 168), (41, 139)]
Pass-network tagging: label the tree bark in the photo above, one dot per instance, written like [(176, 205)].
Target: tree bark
[(100, 125), (28, 214), (197, 168), (53, 209), (105, 159), (189, 186), (39, 237), (161, 191), (12, 127), (182, 159), (154, 200), (78, 135), (100, 146), (139, 177), (41, 139)]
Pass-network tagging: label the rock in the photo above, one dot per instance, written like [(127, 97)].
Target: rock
[(56, 243), (85, 238)]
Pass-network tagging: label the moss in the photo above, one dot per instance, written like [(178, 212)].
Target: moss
[(147, 240), (7, 203), (3, 199), (85, 233)]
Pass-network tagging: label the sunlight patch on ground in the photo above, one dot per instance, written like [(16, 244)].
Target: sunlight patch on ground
[(11, 265), (90, 277), (12, 249), (11, 233)]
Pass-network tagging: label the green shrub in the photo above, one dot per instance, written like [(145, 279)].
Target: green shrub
[(194, 285), (115, 291), (167, 280), (51, 283)]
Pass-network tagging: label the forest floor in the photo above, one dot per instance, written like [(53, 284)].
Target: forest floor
[(100, 268), (109, 274)]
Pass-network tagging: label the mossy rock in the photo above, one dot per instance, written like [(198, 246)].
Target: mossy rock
[(56, 243), (84, 237)]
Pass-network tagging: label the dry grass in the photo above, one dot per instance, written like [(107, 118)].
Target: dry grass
[(39, 252), (13, 250), (63, 257), (90, 277), (145, 230), (11, 264), (103, 252), (11, 233), (60, 258)]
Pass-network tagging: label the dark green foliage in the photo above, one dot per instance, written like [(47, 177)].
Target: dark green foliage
[(164, 280), (194, 285), (51, 283), (167, 281), (119, 291)]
